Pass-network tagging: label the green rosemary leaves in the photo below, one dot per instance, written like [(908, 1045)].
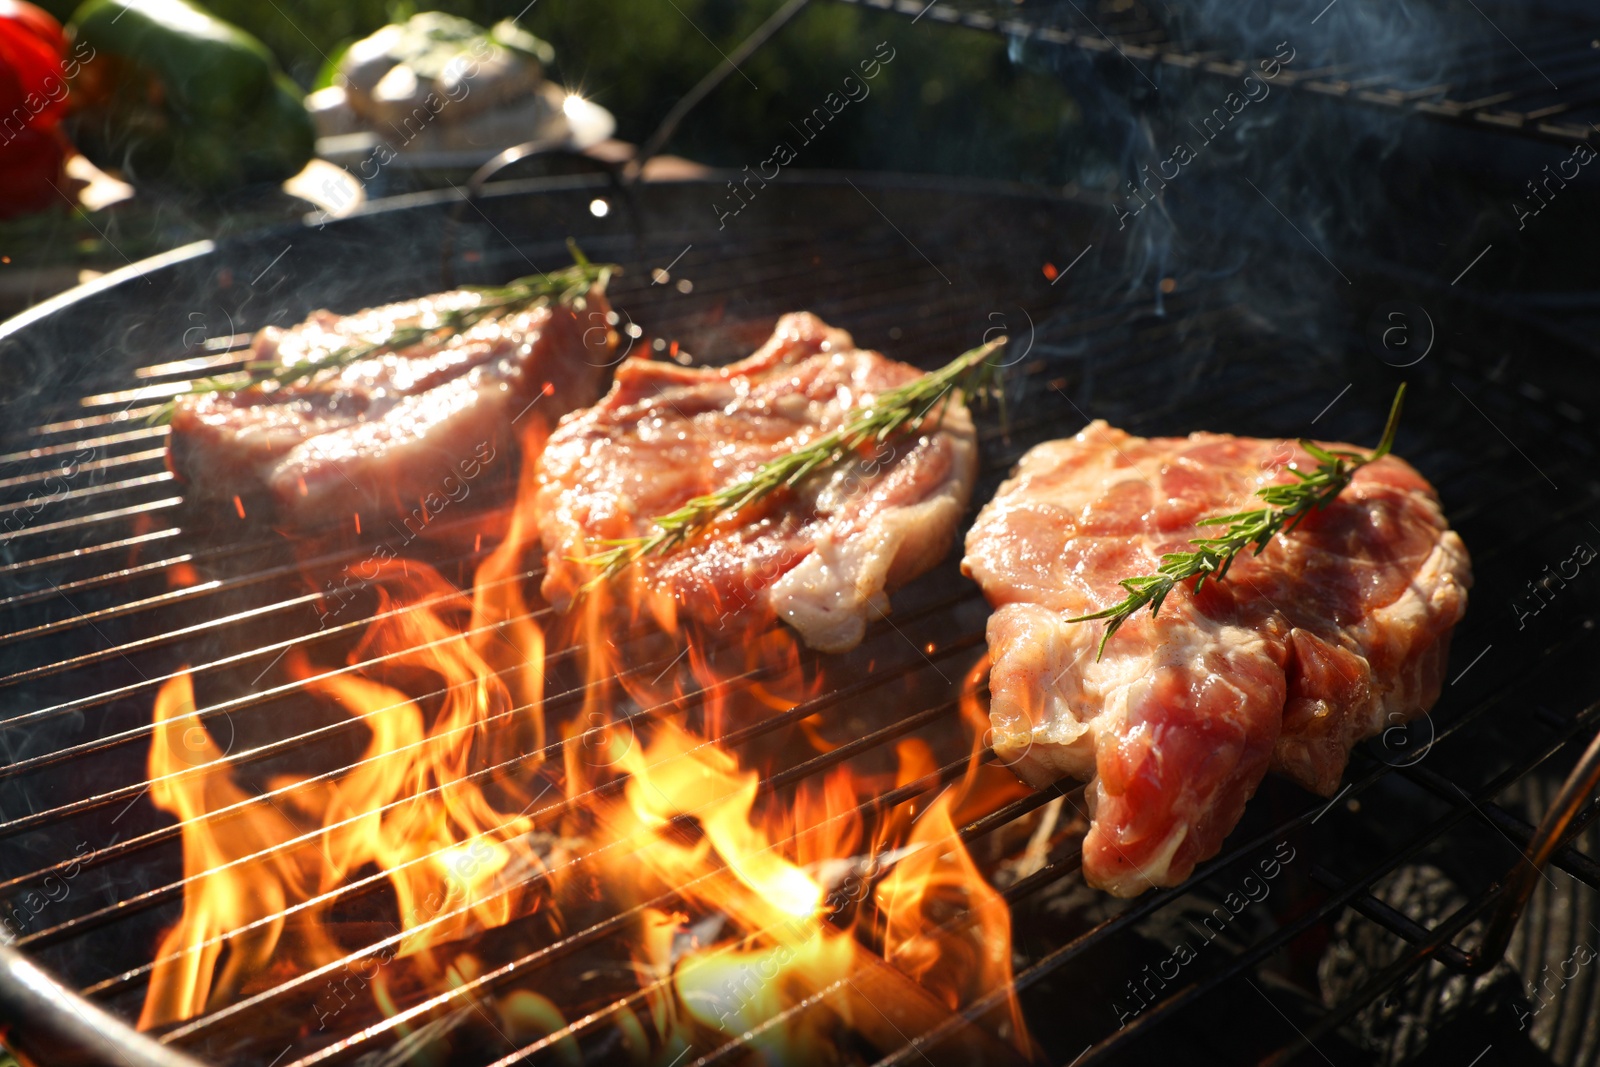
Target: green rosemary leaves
[(905, 408), (560, 286), (1287, 505)]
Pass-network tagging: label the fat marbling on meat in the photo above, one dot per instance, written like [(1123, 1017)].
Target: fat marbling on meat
[(819, 556), (1338, 631), (381, 434)]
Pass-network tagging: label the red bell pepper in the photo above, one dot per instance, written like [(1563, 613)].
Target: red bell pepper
[(33, 91), (41, 22), (30, 171), (33, 96)]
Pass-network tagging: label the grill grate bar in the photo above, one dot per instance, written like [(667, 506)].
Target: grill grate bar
[(1438, 944), (75, 421), (233, 759), (46, 451), (893, 798), (34, 596), (1569, 859), (232, 550), (90, 491), (162, 391), (130, 459), (227, 707), (1463, 92), (41, 714), (131, 511), (1341, 898), (1381, 913), (217, 585), (183, 368), (136, 733), (82, 553), (1022, 888), (1156, 900), (548, 753)]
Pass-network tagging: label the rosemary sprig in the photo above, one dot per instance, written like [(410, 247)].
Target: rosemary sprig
[(1288, 504), (562, 286), (905, 408)]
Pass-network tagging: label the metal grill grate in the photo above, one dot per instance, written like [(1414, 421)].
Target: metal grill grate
[(1545, 83), (113, 585)]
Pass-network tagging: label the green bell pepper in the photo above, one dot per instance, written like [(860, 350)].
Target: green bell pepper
[(175, 96)]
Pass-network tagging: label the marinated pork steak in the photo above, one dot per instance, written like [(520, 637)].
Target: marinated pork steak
[(819, 556), (383, 435), (1336, 632)]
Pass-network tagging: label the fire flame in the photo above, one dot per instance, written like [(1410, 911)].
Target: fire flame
[(477, 814)]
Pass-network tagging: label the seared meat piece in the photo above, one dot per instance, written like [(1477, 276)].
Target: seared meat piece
[(1338, 631), (387, 433), (819, 557)]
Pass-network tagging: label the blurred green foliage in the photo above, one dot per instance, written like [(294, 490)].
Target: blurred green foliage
[(950, 102)]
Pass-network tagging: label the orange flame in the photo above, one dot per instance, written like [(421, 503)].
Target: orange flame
[(747, 901), (218, 895)]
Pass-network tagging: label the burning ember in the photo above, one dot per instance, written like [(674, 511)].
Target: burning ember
[(640, 827)]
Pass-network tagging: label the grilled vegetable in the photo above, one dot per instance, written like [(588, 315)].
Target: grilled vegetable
[(30, 171), (176, 96), (32, 97), (32, 47)]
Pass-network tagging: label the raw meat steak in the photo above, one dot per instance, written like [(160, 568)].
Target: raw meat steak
[(398, 428), (1338, 631), (819, 557)]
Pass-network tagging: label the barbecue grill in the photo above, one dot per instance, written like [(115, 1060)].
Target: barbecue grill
[(113, 583)]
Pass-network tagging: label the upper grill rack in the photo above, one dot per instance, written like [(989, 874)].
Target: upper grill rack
[(80, 665), (1545, 85)]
